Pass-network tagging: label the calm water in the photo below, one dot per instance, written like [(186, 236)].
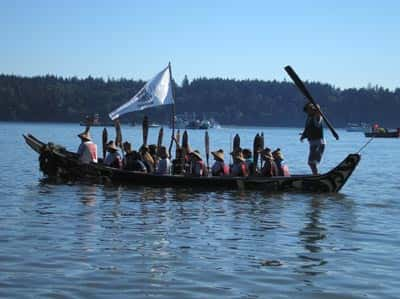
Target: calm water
[(82, 241)]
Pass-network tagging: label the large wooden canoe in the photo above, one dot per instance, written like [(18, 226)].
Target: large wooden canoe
[(56, 161)]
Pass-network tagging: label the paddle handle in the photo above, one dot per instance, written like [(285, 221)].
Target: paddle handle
[(300, 85)]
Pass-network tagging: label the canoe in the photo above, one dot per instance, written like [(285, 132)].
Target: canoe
[(390, 134), (56, 161)]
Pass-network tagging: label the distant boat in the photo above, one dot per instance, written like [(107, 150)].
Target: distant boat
[(383, 133), (154, 125), (94, 121), (358, 127), (196, 124)]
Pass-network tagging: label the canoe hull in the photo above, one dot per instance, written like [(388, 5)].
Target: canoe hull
[(55, 161), (392, 134)]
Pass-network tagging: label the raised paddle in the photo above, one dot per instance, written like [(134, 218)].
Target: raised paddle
[(261, 145), (118, 133), (236, 142), (145, 129), (255, 153), (104, 140), (207, 143), (300, 85), (159, 140)]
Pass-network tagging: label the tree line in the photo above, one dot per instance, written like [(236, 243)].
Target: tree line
[(233, 102)]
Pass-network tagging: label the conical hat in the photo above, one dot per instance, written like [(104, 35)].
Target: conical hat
[(219, 154), (278, 154), (112, 146), (196, 153), (85, 136), (238, 156)]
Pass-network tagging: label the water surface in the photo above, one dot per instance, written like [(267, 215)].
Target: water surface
[(93, 241)]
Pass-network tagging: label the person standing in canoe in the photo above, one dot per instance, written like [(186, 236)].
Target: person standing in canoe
[(87, 150), (314, 133)]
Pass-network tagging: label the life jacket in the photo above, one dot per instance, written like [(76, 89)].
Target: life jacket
[(269, 169), (222, 170), (239, 169), (283, 169), (197, 168), (89, 152), (313, 131)]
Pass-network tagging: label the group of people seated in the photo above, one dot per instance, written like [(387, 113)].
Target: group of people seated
[(151, 159), (272, 164)]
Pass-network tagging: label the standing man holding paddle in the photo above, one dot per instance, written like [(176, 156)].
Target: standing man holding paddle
[(314, 132)]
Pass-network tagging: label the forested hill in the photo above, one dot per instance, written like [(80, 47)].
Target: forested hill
[(239, 102)]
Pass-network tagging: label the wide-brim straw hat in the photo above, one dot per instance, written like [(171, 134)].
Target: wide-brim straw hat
[(238, 156), (85, 136), (278, 154), (266, 154), (196, 153), (219, 154), (112, 146)]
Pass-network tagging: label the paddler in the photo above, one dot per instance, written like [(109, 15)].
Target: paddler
[(197, 166), (219, 167), (269, 168), (113, 158), (239, 167), (314, 132), (87, 150), (282, 167), (164, 164), (248, 160)]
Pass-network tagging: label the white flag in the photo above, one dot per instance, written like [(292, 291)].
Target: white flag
[(156, 92)]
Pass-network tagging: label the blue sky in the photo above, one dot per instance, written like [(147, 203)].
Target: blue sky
[(345, 43)]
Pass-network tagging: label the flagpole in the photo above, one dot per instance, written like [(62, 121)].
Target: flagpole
[(173, 109)]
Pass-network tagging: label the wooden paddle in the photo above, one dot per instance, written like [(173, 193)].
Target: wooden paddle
[(236, 142), (145, 129), (261, 145), (118, 133), (105, 139), (300, 85), (255, 153), (207, 144), (177, 140), (159, 140)]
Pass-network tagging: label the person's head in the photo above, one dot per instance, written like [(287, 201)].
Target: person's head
[(310, 109), (85, 136), (127, 147), (111, 147), (266, 154), (143, 149), (277, 154), (246, 153), (195, 155), (218, 155), (238, 157), (153, 149), (163, 152)]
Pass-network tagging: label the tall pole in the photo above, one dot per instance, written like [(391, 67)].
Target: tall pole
[(173, 109)]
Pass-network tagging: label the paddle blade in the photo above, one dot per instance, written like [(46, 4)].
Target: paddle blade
[(236, 142), (118, 133), (255, 152), (160, 139), (178, 137), (207, 142), (145, 129), (300, 85), (104, 142), (262, 143)]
